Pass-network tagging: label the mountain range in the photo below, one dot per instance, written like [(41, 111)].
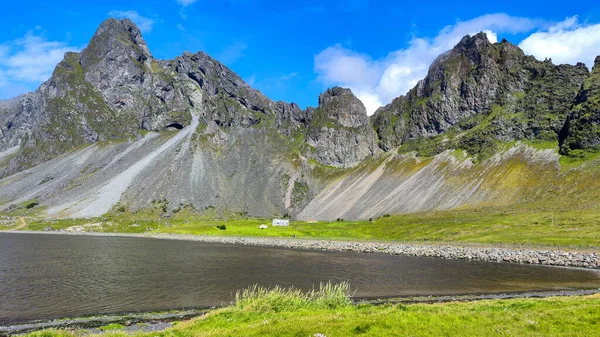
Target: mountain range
[(116, 128)]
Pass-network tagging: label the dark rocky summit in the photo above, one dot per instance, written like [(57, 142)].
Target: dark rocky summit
[(478, 94), (339, 131)]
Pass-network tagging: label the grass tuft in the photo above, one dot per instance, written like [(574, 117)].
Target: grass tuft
[(261, 299)]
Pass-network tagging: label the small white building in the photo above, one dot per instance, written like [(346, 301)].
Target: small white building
[(280, 222)]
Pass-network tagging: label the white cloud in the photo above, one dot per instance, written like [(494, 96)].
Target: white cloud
[(377, 82), (28, 61), (186, 2), (565, 42), (144, 24), (339, 65), (32, 57)]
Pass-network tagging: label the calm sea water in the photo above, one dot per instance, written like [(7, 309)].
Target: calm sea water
[(51, 276)]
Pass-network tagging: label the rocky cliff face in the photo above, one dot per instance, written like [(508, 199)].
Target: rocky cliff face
[(339, 131), (481, 92), (581, 132)]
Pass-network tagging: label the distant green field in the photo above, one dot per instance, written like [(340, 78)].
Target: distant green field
[(329, 313), (524, 224)]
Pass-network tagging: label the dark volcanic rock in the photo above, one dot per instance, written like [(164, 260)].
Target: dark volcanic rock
[(582, 130), (339, 131), (226, 99), (492, 89)]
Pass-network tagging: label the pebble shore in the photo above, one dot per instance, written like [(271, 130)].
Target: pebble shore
[(524, 256), (590, 260)]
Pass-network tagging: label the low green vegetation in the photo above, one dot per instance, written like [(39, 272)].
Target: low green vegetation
[(549, 225), (264, 300), (328, 312), (501, 225), (113, 326)]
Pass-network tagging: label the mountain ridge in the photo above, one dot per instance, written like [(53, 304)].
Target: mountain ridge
[(189, 132)]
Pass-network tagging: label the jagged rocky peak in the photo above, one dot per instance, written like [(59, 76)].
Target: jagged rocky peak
[(289, 117), (468, 41), (227, 100), (117, 56), (339, 131), (470, 49), (114, 40), (343, 107), (474, 46), (462, 82)]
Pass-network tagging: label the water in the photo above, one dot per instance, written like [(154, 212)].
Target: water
[(51, 276)]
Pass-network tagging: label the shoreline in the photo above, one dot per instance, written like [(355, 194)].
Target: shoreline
[(545, 257), (162, 320)]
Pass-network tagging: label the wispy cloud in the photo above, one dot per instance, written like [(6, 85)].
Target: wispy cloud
[(144, 24), (232, 53), (32, 58), (185, 3), (378, 81), (565, 42), (28, 61)]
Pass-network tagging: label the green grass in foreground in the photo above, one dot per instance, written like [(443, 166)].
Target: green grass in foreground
[(328, 312)]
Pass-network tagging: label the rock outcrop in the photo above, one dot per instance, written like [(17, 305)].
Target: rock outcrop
[(481, 92), (581, 132), (339, 131)]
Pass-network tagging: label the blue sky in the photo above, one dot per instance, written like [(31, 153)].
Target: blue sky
[(293, 50)]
